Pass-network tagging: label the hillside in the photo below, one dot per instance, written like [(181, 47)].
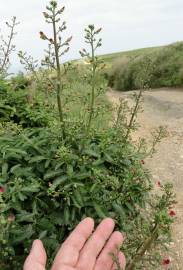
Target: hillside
[(110, 58)]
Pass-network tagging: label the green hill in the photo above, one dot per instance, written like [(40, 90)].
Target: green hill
[(148, 67)]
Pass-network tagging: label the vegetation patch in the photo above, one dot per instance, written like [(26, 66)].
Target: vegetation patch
[(63, 159), (158, 67)]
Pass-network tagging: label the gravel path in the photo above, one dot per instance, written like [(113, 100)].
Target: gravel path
[(164, 107)]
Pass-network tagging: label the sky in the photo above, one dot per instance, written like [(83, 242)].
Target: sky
[(127, 24)]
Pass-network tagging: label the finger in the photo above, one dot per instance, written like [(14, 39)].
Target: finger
[(121, 260), (105, 259), (70, 249), (95, 244), (37, 257)]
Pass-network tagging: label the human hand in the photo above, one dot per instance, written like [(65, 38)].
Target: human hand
[(83, 249)]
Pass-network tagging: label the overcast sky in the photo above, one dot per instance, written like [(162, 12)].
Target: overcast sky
[(127, 24)]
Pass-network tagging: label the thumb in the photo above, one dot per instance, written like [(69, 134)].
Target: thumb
[(37, 257)]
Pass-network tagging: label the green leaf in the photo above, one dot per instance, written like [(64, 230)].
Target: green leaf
[(21, 196), (91, 153), (119, 210), (31, 189), (98, 162), (99, 210), (108, 158), (58, 165), (4, 169), (37, 159), (59, 181), (43, 234), (130, 207), (28, 217), (47, 163), (66, 215), (14, 168), (51, 175), (25, 233), (17, 151), (46, 224), (70, 170), (82, 176), (78, 197)]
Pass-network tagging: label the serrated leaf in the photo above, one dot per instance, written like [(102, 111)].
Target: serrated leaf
[(36, 159), (14, 168), (82, 176), (91, 153), (43, 234), (25, 233), (119, 209), (99, 211), (31, 189), (28, 217), (17, 151), (4, 169), (59, 181), (52, 174)]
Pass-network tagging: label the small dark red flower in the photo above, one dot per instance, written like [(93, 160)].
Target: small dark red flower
[(159, 184), (142, 161), (2, 190), (166, 261), (172, 213)]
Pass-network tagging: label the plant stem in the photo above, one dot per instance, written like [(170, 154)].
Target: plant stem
[(93, 86), (146, 246), (59, 82), (6, 55), (133, 115)]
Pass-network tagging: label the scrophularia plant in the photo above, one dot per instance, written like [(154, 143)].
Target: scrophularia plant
[(7, 47), (58, 48), (91, 34)]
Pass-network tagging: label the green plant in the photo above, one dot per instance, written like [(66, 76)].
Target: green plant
[(57, 46), (54, 175), (160, 67), (68, 184), (18, 107), (6, 47), (90, 38)]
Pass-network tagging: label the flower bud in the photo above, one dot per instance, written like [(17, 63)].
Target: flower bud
[(43, 36), (46, 15), (91, 27), (51, 41), (68, 40), (68, 48), (81, 53), (98, 31), (53, 4), (61, 10)]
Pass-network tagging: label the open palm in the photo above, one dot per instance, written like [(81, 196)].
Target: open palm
[(83, 249)]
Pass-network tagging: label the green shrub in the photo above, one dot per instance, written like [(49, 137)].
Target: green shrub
[(20, 81), (49, 185), (18, 106), (159, 68)]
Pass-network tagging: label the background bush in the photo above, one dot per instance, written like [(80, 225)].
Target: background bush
[(158, 68)]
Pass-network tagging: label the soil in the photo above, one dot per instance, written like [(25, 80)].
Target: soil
[(164, 107)]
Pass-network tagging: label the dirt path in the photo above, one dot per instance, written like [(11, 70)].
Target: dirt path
[(164, 107)]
